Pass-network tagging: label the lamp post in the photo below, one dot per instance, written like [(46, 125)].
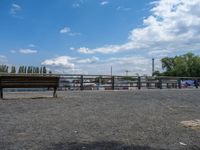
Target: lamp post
[(126, 72), (111, 71), (153, 66)]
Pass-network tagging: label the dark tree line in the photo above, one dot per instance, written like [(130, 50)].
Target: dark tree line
[(3, 68), (187, 65), (24, 70)]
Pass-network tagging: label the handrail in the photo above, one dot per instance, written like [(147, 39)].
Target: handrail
[(114, 81), (98, 75)]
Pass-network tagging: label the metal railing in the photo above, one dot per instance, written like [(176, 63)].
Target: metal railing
[(115, 82), (107, 82)]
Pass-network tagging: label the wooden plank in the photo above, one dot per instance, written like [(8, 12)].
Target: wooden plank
[(28, 82)]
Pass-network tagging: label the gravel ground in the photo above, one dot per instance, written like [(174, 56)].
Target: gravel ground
[(100, 120)]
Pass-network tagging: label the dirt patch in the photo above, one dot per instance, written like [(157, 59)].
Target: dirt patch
[(23, 136), (193, 124)]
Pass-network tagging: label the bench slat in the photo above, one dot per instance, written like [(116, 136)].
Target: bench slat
[(28, 82)]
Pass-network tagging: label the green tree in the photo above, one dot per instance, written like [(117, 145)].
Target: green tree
[(44, 70), (3, 69), (187, 65), (37, 70), (129, 78), (41, 70), (20, 69), (13, 69), (167, 63), (25, 69), (157, 73), (29, 69)]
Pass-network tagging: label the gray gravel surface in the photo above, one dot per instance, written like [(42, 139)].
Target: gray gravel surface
[(100, 120)]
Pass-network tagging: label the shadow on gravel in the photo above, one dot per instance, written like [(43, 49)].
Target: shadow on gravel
[(98, 146)]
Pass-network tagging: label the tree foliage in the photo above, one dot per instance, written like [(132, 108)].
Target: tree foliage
[(13, 69), (3, 69), (187, 65), (129, 78), (24, 70)]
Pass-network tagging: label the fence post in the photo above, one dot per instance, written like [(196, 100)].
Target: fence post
[(168, 85), (139, 83), (1, 93), (179, 83), (160, 83), (113, 83), (196, 83), (81, 83)]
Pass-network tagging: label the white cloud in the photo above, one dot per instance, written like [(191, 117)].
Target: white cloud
[(72, 48), (85, 50), (104, 2), (3, 59), (159, 53), (88, 60), (65, 30), (134, 64), (78, 3), (173, 25), (110, 48), (15, 8), (67, 64), (62, 62), (28, 51)]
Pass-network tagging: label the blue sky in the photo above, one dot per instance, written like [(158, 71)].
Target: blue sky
[(90, 36)]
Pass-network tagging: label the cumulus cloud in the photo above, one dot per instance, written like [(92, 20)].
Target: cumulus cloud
[(85, 50), (67, 64), (78, 3), (72, 48), (65, 30), (134, 64), (104, 2), (88, 60), (63, 62), (134, 60), (15, 8), (173, 25), (28, 51), (159, 53)]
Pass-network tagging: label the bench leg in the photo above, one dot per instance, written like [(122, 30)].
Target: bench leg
[(54, 92), (1, 93)]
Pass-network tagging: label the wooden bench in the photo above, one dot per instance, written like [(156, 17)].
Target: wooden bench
[(28, 81)]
